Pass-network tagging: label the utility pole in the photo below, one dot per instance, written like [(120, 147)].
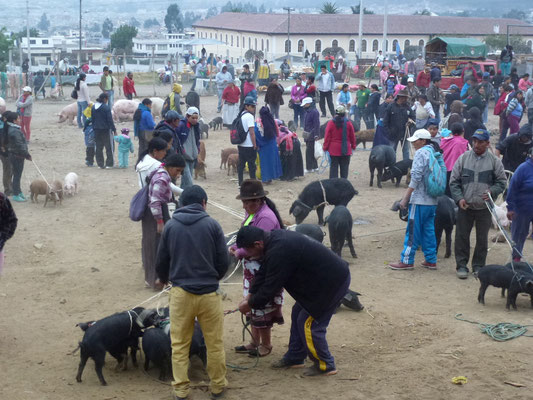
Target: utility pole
[(384, 43), (359, 53), (28, 31), (289, 9), (79, 54)]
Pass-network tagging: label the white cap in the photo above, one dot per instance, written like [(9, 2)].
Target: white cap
[(26, 89), (410, 79), (420, 134), (192, 110), (307, 100)]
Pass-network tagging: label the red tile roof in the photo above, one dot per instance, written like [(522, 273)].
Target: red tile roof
[(348, 24)]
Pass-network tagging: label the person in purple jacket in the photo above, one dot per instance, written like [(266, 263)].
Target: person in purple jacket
[(262, 213), (298, 93)]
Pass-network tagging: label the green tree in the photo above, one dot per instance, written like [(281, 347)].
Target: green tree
[(107, 28), (329, 8), (22, 34), (134, 22), (357, 9), (5, 43), (261, 9), (190, 18), (95, 27), (498, 42), (44, 23), (151, 22), (122, 38), (425, 11), (173, 20), (211, 12), (518, 14)]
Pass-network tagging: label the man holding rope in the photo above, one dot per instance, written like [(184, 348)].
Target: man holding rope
[(313, 275), (194, 269), (476, 174)]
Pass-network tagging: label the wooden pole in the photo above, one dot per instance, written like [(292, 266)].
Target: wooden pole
[(152, 68)]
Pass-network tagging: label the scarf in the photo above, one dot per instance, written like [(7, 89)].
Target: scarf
[(286, 136), (344, 145)]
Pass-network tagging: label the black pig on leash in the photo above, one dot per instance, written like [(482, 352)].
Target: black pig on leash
[(113, 334)]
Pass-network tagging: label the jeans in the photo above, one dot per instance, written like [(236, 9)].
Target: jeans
[(465, 222), (274, 109), (362, 112), (420, 232), (485, 114), (143, 140), (326, 96), (219, 105), (111, 94), (186, 175), (17, 166), (519, 230), (185, 307), (129, 96), (506, 68), (246, 155), (299, 114), (339, 163), (405, 149), (81, 118), (103, 140), (496, 94)]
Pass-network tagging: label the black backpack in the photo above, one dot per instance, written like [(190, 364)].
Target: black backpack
[(237, 133), (166, 106)]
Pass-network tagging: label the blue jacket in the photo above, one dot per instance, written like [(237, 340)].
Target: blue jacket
[(332, 81), (147, 121), (124, 143), (182, 133), (519, 196)]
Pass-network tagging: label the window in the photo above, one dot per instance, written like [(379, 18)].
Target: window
[(335, 43), (300, 46), (161, 47), (243, 42), (406, 44), (530, 45), (255, 47), (394, 45), (267, 45), (238, 40), (318, 46), (262, 44), (351, 46), (32, 41), (363, 45), (375, 45), (232, 40), (387, 45), (210, 35), (226, 38), (421, 42), (287, 46), (45, 41), (249, 42)]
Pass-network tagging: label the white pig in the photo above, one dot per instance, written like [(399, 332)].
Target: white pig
[(157, 106), (69, 113), (2, 105), (70, 184), (123, 109)]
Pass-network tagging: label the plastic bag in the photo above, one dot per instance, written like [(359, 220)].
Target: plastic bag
[(319, 152)]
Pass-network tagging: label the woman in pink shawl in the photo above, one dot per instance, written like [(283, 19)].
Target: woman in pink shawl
[(290, 153), (452, 147)]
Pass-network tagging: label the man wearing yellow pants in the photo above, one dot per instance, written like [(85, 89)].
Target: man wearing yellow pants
[(193, 257)]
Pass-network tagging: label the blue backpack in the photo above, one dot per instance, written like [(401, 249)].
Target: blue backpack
[(436, 179)]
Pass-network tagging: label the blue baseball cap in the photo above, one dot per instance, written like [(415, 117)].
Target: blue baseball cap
[(454, 87), (433, 121), (481, 134), (249, 101)]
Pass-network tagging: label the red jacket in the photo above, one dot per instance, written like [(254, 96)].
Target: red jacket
[(333, 139), (231, 95), (129, 86), (423, 79)]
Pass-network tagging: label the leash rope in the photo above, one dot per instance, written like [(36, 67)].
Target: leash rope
[(500, 332), (325, 163), (229, 210), (40, 173)]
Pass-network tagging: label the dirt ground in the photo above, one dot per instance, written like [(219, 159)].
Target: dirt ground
[(82, 260)]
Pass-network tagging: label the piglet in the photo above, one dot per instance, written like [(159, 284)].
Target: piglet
[(493, 275), (38, 187), (381, 157), (340, 224), (157, 349), (522, 282), (224, 154), (55, 193), (397, 171), (70, 184), (311, 230), (445, 216), (69, 113)]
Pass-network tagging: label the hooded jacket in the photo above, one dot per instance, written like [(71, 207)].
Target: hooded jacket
[(192, 251), (181, 136), (513, 150), (16, 142), (102, 118), (146, 123)]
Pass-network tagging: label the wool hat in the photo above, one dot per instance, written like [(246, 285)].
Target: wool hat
[(481, 134), (402, 93), (420, 134), (176, 88), (251, 189), (249, 101), (410, 79), (125, 131)]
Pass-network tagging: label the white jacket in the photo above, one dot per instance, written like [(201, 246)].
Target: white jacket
[(146, 167)]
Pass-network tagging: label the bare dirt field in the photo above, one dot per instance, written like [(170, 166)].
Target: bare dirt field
[(82, 261)]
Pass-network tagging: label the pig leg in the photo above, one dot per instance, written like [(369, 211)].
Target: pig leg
[(438, 235), (398, 179), (83, 360), (503, 292), (146, 363), (481, 295), (320, 213), (380, 175), (98, 365), (350, 244), (371, 176), (134, 356), (448, 242), (45, 200)]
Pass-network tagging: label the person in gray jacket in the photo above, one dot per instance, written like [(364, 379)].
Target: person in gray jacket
[(476, 174), (325, 82), (222, 79), (17, 150)]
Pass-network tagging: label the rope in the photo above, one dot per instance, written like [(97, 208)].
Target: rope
[(245, 329), (153, 297), (229, 210), (380, 233), (325, 163), (40, 173), (500, 332)]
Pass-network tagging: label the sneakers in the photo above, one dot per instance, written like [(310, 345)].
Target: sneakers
[(315, 371), (20, 198), (462, 272), (400, 266), (218, 395), (432, 266), (284, 363)]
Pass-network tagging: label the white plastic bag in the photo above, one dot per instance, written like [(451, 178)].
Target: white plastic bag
[(319, 152)]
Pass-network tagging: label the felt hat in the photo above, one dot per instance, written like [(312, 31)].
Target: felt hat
[(251, 189), (403, 93)]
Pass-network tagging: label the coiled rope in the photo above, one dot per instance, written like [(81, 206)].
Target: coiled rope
[(500, 332)]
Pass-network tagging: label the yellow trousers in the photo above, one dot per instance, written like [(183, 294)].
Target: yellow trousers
[(207, 309)]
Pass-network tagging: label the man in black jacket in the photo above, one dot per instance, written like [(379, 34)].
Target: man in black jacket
[(194, 268), (313, 275), (103, 125), (395, 121), (372, 106), (515, 148)]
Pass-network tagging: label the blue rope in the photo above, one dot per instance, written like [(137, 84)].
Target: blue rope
[(500, 332), (325, 163)]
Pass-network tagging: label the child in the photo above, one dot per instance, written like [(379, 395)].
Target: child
[(125, 145), (88, 131)]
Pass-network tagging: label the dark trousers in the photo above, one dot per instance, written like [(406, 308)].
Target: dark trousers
[(448, 192), (299, 114), (308, 335), (103, 139), (246, 155), (530, 116), (17, 166), (465, 222), (143, 141), (89, 155), (310, 160), (339, 163), (7, 175), (129, 96), (329, 97), (520, 229)]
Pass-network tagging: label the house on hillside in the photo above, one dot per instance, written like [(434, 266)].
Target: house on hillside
[(315, 32)]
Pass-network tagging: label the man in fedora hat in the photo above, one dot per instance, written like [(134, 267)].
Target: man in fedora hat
[(396, 120)]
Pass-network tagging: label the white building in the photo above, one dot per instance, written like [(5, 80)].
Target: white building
[(315, 32), (45, 49), (163, 47)]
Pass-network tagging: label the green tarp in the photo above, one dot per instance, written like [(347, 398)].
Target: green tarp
[(457, 47)]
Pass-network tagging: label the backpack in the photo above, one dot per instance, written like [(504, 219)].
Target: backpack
[(139, 203), (166, 106), (436, 179), (237, 133)]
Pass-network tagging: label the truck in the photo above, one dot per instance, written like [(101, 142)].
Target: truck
[(453, 54)]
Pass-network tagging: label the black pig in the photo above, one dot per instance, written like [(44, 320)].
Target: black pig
[(444, 221), (381, 156), (311, 230), (340, 224), (396, 171)]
